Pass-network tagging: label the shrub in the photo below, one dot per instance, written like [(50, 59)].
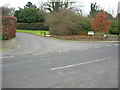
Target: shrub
[(82, 33), (119, 23), (114, 27), (78, 37), (63, 22), (100, 22), (8, 27), (84, 26), (32, 26)]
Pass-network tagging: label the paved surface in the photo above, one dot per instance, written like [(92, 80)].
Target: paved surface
[(39, 62), (8, 44)]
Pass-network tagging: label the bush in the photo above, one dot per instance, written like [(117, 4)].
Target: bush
[(114, 27), (84, 26), (101, 22), (63, 22), (80, 32), (119, 23), (78, 37), (32, 26), (8, 27)]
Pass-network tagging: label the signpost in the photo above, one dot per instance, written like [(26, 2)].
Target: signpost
[(91, 33)]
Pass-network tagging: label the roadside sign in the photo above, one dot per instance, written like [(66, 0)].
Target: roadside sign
[(91, 33)]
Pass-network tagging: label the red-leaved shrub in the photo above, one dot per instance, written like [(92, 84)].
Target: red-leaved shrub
[(101, 22), (8, 26)]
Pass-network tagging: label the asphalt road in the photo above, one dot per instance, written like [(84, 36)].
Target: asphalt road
[(39, 62)]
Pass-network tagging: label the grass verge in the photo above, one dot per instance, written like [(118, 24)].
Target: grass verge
[(37, 32), (1, 38)]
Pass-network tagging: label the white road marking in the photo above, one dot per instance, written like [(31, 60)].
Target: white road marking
[(11, 56), (6, 56), (72, 65), (59, 51), (39, 53), (18, 46)]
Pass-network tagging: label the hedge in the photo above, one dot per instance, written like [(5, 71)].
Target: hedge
[(78, 37), (114, 27), (32, 26), (119, 23), (8, 27)]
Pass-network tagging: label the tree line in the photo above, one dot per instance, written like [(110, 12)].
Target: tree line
[(63, 19)]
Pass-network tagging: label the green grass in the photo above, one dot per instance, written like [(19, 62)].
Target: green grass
[(37, 32), (1, 38), (114, 35)]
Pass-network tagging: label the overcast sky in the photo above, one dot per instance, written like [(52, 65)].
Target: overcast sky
[(108, 5)]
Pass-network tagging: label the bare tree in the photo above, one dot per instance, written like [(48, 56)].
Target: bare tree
[(78, 10), (41, 6), (118, 11), (55, 5), (7, 10)]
